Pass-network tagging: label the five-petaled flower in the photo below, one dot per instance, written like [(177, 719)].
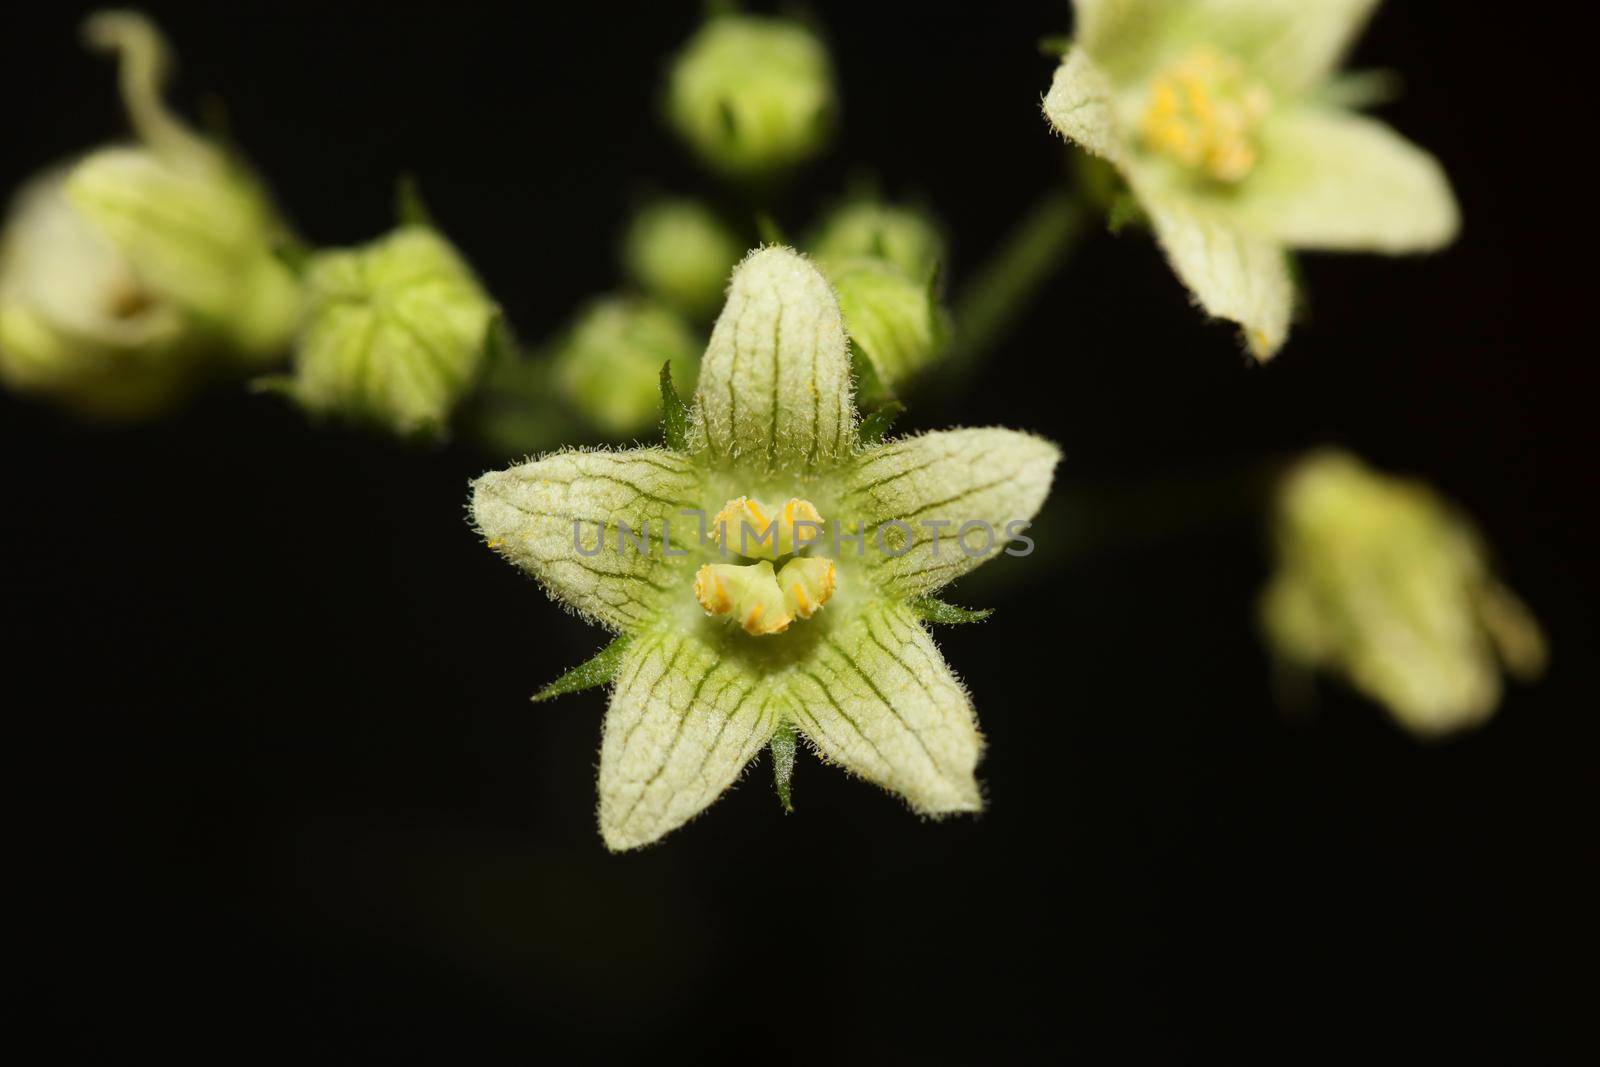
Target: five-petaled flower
[(1219, 116), (731, 641)]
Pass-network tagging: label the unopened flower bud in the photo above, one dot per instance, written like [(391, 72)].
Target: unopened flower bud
[(395, 332), (609, 365), (77, 325), (893, 320), (193, 223), (133, 273), (681, 253), (909, 239), (752, 95)]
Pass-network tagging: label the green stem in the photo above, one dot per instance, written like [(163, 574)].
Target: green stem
[(987, 309)]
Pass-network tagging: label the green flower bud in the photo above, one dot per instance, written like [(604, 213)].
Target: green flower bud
[(682, 254), (909, 239), (752, 95), (1384, 583), (609, 364), (893, 321), (137, 270), (395, 332), (77, 324)]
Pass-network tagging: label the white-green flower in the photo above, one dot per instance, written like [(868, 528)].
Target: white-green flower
[(794, 627), (131, 273), (1217, 114), (1380, 581), (752, 95), (396, 332)]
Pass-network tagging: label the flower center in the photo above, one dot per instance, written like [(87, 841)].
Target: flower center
[(763, 600), (1203, 114)]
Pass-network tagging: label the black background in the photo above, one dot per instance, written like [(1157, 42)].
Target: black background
[(286, 790)]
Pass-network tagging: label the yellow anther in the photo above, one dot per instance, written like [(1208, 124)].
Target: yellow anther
[(749, 594), (1203, 113), (807, 583), (748, 527)]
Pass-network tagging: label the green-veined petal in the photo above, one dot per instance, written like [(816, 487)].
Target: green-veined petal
[(775, 390), (1233, 274), (984, 482), (1331, 179), (544, 516), (684, 721), (878, 699)]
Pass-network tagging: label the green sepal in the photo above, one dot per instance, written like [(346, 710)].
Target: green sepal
[(768, 230), (870, 388), (674, 413), (597, 670), (409, 207), (294, 254), (879, 421), (1124, 212), (499, 346), (783, 745), (1056, 45), (932, 609)]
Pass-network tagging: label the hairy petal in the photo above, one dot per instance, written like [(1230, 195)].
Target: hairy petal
[(684, 721), (775, 390), (1233, 274), (1330, 179), (1080, 105), (527, 514), (986, 481), (878, 699)]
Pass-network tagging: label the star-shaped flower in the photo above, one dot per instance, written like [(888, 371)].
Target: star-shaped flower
[(801, 607), (1219, 115)]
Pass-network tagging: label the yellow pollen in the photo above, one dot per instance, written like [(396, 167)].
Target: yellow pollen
[(760, 599), (1203, 113), (743, 526)]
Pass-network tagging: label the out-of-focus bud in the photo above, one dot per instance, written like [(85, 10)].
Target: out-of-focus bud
[(681, 254), (609, 364), (893, 320), (194, 223), (395, 333), (752, 95), (77, 325), (908, 238), (1382, 582), (138, 270)]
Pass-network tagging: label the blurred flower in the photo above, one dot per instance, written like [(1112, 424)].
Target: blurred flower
[(395, 333), (905, 237), (1384, 583), (752, 95), (768, 625), (609, 365), (1217, 114), (130, 274), (681, 253)]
